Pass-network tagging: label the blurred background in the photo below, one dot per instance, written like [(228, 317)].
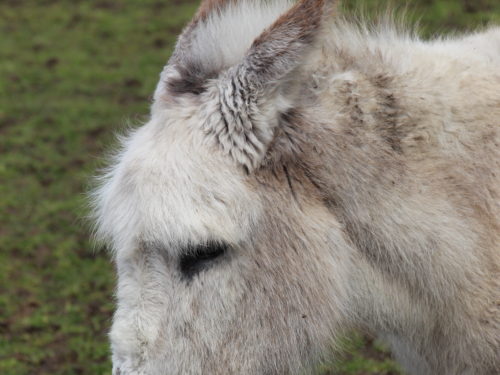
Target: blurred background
[(72, 74)]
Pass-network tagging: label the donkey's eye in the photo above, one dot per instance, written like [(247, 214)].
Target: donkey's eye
[(198, 258)]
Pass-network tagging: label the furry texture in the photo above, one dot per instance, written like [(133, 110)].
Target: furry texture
[(352, 174)]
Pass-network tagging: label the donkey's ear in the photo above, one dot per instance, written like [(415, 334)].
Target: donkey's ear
[(208, 7), (199, 55), (280, 48), (188, 68), (253, 95)]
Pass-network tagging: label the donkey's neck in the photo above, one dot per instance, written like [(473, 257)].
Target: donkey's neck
[(372, 138)]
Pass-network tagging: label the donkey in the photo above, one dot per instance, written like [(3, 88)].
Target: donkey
[(302, 176)]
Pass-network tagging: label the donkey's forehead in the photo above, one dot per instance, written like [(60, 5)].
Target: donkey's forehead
[(169, 187)]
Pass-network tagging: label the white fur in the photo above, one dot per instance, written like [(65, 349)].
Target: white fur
[(295, 278), (226, 37), (164, 157)]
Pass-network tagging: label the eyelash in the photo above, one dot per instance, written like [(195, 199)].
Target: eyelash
[(198, 258)]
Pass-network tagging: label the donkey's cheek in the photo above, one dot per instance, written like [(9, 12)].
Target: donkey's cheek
[(125, 346)]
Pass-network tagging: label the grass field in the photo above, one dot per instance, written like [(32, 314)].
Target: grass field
[(72, 73)]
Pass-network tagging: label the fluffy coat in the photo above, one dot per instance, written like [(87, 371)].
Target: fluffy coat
[(348, 177)]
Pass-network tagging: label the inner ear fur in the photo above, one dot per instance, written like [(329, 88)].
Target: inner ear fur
[(251, 95)]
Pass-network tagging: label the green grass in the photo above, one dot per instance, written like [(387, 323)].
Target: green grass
[(437, 17), (71, 74)]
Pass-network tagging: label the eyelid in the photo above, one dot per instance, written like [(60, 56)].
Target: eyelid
[(198, 258)]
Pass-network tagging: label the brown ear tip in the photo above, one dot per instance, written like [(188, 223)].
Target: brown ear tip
[(209, 6), (322, 8), (330, 6)]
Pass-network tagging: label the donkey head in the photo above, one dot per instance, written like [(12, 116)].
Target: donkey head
[(221, 239)]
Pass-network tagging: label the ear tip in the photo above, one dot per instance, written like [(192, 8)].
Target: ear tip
[(329, 7), (318, 8), (209, 6)]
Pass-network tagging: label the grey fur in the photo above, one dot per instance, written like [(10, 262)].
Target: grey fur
[(354, 174)]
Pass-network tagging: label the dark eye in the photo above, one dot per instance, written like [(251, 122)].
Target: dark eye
[(198, 258)]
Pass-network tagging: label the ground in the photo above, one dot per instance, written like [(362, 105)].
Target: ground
[(73, 73)]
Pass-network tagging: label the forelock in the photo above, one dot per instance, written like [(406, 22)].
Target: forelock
[(167, 186)]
